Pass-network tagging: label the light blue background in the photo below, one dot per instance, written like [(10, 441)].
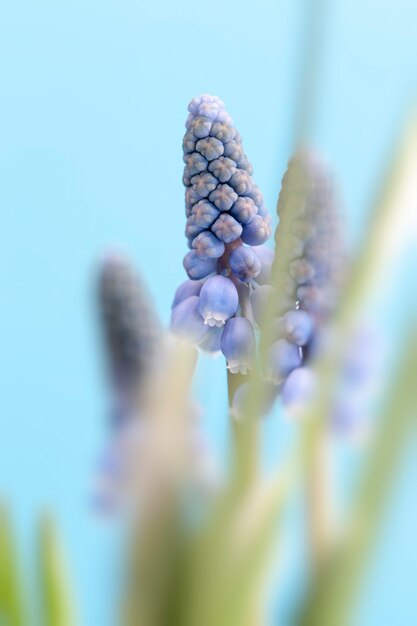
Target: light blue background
[(93, 103)]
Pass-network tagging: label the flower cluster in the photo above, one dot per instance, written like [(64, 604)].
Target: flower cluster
[(227, 223), (307, 268), (131, 329)]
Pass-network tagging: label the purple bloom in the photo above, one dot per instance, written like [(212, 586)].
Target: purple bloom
[(186, 321), (186, 289), (241, 182), (203, 184), (238, 345), (223, 197), (266, 257), (207, 246), (196, 163), (205, 213), (226, 228), (244, 263), (257, 231), (218, 300), (200, 127), (244, 209), (222, 168), (210, 147), (297, 326), (283, 358), (198, 268)]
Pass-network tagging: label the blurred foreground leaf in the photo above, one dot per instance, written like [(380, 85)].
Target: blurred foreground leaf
[(13, 610), (56, 594)]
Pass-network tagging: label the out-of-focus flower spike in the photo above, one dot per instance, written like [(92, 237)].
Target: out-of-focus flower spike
[(131, 327)]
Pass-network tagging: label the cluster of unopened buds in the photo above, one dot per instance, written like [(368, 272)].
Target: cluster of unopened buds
[(227, 225)]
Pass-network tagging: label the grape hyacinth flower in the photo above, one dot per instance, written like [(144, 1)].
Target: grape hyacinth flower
[(226, 219), (131, 330), (307, 268)]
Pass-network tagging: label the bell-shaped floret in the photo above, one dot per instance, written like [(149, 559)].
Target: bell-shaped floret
[(218, 300), (283, 357), (244, 209), (297, 326), (244, 263), (238, 345), (186, 321), (196, 267), (257, 231), (185, 290)]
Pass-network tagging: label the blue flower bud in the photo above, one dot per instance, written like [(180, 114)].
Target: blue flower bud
[(222, 168), (233, 150), (259, 300), (257, 231), (297, 326), (266, 257), (256, 195), (241, 182), (211, 341), (207, 246), (196, 163), (204, 213), (186, 178), (222, 131), (209, 109), (191, 198), (200, 127), (186, 321), (203, 184), (298, 390), (218, 300), (283, 357), (226, 228), (210, 147), (238, 345), (196, 267), (244, 210), (185, 290), (223, 197), (188, 143), (191, 228), (244, 263)]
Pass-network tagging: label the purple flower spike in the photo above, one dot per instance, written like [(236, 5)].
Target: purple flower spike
[(234, 151), (205, 213), (257, 231), (218, 300), (266, 257), (226, 228), (196, 267), (297, 326), (223, 197), (244, 210), (238, 345), (207, 246), (283, 358), (210, 147), (186, 321), (185, 290), (244, 263)]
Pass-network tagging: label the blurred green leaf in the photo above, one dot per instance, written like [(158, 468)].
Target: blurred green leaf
[(56, 593), (13, 608)]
